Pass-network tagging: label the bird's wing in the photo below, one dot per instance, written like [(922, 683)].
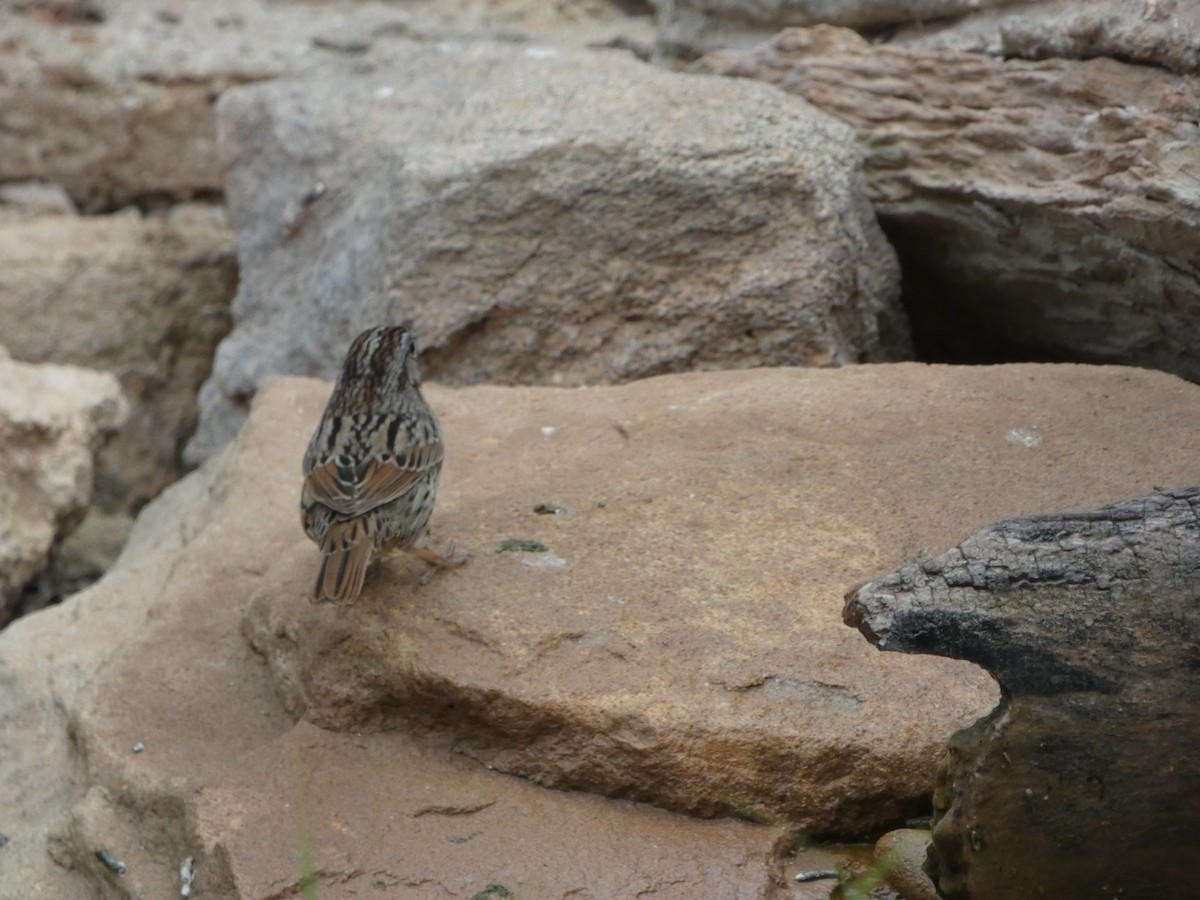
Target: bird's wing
[(353, 490)]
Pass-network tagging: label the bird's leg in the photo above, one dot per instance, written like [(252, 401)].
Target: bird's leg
[(437, 560)]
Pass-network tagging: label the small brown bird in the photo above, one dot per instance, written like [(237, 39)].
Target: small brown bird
[(371, 469)]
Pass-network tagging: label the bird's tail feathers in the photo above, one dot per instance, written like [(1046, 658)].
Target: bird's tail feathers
[(348, 547)]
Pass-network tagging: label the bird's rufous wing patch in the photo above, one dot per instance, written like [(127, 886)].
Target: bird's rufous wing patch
[(354, 491)]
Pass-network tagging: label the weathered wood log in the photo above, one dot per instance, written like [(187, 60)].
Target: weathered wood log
[(1085, 781)]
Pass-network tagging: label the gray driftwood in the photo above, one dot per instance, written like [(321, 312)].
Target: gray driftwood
[(1085, 781)]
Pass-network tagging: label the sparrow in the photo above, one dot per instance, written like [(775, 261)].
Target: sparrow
[(371, 469)]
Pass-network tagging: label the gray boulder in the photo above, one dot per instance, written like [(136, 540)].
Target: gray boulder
[(544, 215)]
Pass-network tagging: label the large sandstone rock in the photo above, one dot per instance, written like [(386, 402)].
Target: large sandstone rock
[(146, 299), (687, 28), (544, 214), (52, 420), (1085, 781), (647, 652), (114, 100), (1149, 32), (680, 643), (1041, 210)]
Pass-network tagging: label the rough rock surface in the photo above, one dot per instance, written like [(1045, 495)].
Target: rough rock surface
[(1147, 32), (687, 28), (224, 778), (900, 855), (636, 222), (146, 299), (1041, 210), (22, 199), (80, 558), (1085, 781), (114, 100), (698, 607), (646, 653), (52, 420)]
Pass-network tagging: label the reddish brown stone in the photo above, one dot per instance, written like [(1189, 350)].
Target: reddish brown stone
[(689, 652)]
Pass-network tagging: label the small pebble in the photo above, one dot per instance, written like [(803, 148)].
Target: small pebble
[(187, 876), (543, 561), (816, 875), (1026, 437), (111, 862)]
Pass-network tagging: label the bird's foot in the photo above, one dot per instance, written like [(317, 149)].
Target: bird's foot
[(437, 560)]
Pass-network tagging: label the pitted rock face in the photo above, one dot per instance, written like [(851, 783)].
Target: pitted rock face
[(1052, 186)]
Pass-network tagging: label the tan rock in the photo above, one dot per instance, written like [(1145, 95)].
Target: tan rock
[(635, 222), (21, 199), (145, 299), (724, 501), (49, 664), (1041, 210), (900, 856), (52, 420), (114, 100), (1149, 32), (687, 28), (688, 651), (646, 654)]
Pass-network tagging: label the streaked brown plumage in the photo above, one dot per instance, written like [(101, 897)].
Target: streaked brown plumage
[(371, 469)]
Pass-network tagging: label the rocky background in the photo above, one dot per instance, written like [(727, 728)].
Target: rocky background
[(198, 197)]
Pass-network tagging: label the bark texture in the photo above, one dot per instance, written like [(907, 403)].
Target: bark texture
[(1084, 781)]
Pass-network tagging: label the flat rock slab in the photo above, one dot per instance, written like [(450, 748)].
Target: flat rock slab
[(678, 641), (688, 650), (447, 827), (543, 215)]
